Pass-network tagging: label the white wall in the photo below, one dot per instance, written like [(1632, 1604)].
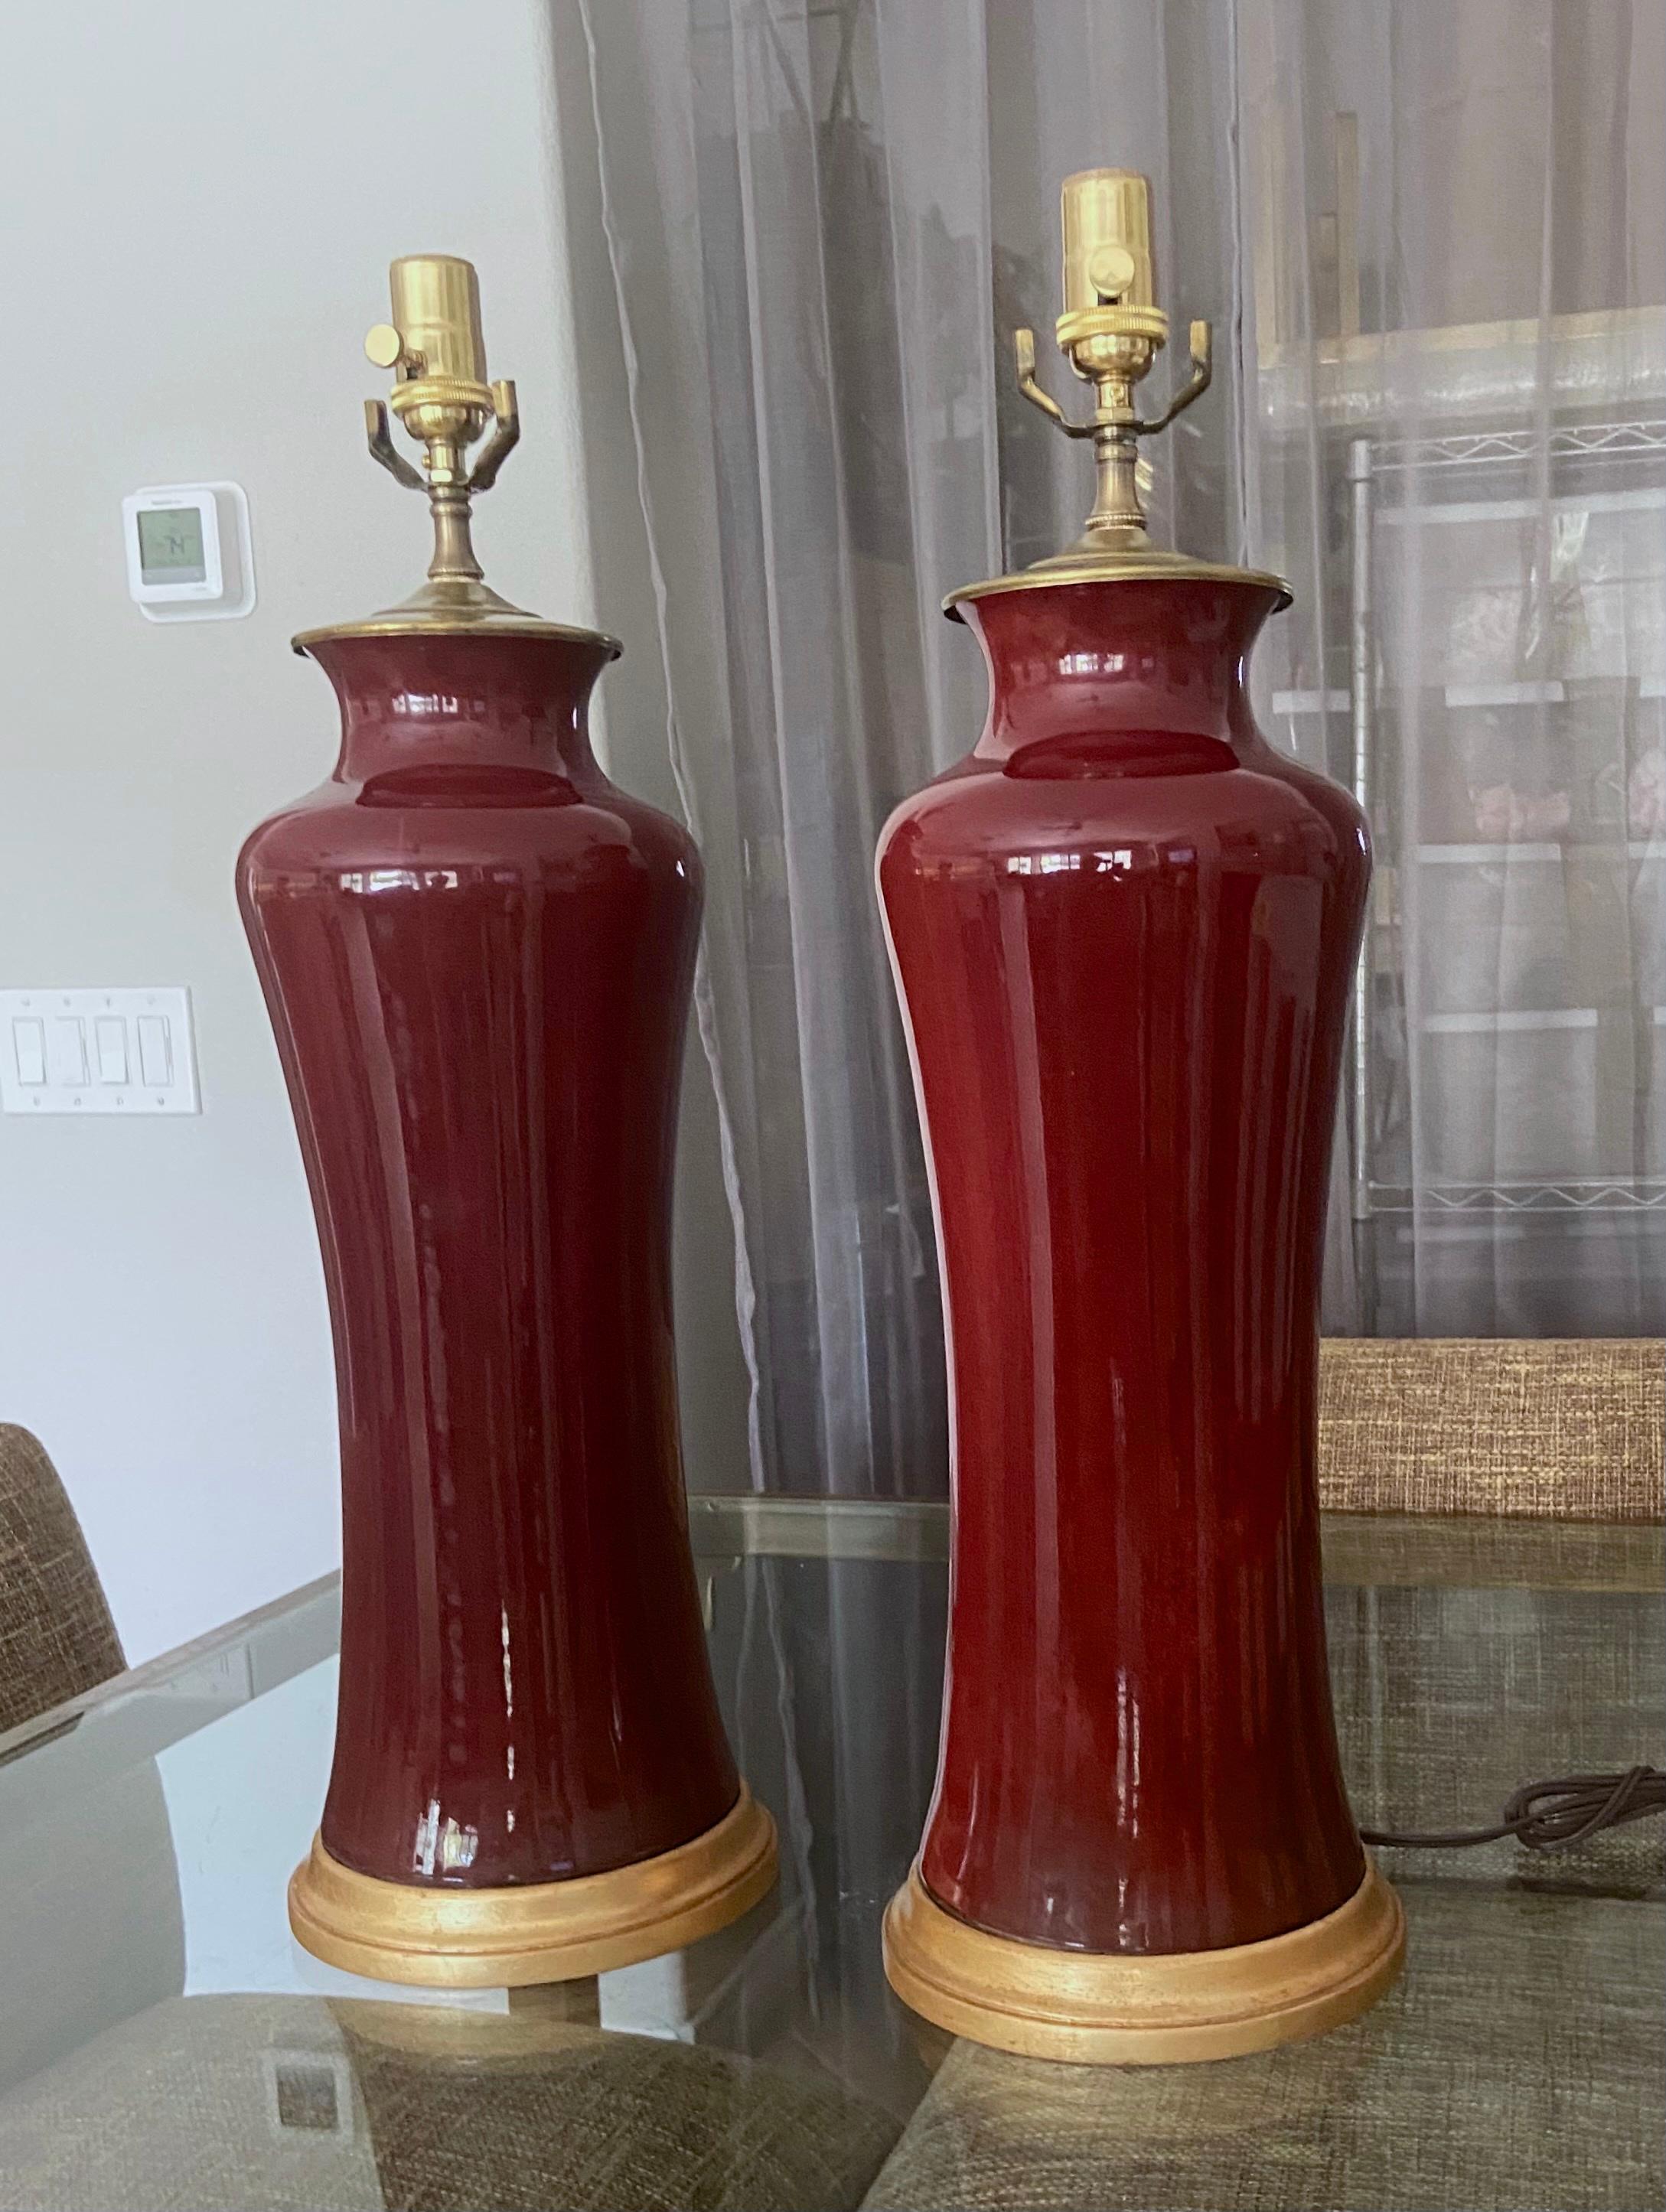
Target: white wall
[(203, 197)]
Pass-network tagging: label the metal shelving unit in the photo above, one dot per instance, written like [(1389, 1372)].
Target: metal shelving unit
[(1481, 480)]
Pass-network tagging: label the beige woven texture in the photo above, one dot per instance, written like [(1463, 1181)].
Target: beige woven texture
[(1447, 1699), (1571, 1430), (282, 2104), (57, 1637)]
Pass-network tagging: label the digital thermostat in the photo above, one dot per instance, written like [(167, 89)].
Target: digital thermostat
[(189, 557)]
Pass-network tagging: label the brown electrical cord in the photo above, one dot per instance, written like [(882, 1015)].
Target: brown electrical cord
[(1553, 1816)]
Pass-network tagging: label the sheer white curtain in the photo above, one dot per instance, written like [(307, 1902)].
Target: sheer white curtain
[(1455, 258), (1430, 241)]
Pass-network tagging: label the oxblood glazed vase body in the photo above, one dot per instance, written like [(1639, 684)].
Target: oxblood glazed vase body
[(1123, 930), (477, 954)]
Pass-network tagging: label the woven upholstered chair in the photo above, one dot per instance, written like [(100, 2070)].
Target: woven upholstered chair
[(1561, 1430), (57, 1637), (1490, 1507)]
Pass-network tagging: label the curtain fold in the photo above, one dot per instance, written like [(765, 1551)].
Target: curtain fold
[(1430, 243)]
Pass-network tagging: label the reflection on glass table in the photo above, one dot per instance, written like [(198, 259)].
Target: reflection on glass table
[(164, 2042)]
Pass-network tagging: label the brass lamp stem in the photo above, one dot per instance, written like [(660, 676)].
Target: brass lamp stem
[(1115, 490), (454, 558)]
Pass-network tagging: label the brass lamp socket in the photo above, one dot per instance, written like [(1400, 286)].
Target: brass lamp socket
[(1111, 323), (436, 344)]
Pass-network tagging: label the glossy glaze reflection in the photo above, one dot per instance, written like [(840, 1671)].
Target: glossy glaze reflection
[(1123, 929), (477, 954)]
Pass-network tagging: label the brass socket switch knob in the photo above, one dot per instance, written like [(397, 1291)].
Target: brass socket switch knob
[(383, 345), (1110, 271)]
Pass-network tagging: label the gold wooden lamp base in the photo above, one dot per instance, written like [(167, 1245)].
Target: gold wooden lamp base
[(1093, 2009), (549, 1931)]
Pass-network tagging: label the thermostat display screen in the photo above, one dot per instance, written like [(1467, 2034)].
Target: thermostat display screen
[(171, 545)]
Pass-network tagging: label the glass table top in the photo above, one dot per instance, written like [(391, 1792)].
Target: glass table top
[(164, 2042)]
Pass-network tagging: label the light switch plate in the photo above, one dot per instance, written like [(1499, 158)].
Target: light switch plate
[(97, 1051)]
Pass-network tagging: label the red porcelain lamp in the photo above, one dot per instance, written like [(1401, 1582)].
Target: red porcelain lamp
[(1123, 930), (477, 954)]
